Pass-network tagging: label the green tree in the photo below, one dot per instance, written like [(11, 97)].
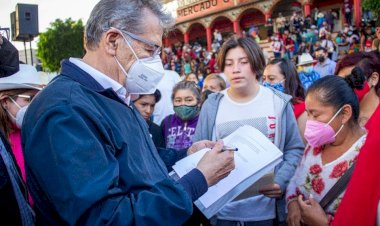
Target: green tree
[(373, 5), (63, 39)]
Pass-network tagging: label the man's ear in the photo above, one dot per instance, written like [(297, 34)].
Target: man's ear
[(111, 40)]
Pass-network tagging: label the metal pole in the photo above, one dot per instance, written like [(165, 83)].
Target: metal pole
[(31, 52), (26, 55)]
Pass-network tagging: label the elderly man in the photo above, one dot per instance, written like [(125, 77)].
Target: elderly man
[(89, 157)]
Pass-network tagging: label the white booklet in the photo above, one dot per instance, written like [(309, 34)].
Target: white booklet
[(256, 157)]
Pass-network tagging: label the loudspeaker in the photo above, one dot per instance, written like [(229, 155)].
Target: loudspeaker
[(13, 26), (24, 22)]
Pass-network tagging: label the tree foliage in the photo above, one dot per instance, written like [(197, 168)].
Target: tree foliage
[(63, 39), (373, 5)]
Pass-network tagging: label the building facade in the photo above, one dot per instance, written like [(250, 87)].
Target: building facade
[(197, 19)]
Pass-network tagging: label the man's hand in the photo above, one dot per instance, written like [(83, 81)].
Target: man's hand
[(312, 213), (294, 214), (271, 190), (215, 164), (197, 146)]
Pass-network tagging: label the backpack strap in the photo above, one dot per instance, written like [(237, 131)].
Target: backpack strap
[(337, 189), (26, 212)]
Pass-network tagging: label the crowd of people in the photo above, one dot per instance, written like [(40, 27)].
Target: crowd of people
[(95, 146), (296, 37)]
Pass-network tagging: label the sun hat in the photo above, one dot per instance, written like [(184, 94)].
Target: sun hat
[(26, 78), (305, 58)]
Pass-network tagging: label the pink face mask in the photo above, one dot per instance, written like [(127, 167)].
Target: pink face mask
[(320, 133)]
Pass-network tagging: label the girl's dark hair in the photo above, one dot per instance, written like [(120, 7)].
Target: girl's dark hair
[(292, 85), (156, 94), (336, 91), (192, 86), (252, 49)]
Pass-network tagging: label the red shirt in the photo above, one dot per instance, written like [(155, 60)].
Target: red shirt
[(299, 108), (289, 42), (359, 203), (179, 53), (211, 65), (361, 93), (373, 120)]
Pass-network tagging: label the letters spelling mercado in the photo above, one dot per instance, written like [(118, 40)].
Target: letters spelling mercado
[(199, 7)]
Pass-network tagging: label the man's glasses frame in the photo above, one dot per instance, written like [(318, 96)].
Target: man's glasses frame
[(156, 48)]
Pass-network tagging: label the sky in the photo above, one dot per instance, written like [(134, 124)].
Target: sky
[(48, 11)]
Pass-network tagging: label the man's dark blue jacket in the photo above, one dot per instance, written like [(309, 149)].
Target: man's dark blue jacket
[(90, 160)]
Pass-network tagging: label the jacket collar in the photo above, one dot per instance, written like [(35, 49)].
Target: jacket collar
[(76, 74)]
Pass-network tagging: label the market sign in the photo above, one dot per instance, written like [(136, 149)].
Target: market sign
[(189, 9)]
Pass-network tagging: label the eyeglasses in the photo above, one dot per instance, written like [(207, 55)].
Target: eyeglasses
[(27, 98), (156, 49)]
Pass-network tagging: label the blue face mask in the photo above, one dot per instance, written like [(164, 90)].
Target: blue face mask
[(278, 86), (308, 69)]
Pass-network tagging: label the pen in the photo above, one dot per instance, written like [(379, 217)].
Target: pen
[(227, 148)]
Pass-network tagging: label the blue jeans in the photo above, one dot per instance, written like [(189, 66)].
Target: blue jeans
[(289, 54), (277, 55)]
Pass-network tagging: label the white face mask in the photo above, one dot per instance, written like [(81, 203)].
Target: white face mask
[(144, 74), (20, 113)]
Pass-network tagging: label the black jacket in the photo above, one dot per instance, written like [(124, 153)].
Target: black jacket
[(9, 211), (9, 62)]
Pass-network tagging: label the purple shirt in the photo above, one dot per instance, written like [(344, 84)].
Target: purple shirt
[(178, 133)]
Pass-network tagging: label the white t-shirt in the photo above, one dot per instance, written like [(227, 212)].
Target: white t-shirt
[(276, 46), (259, 113), (165, 106)]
